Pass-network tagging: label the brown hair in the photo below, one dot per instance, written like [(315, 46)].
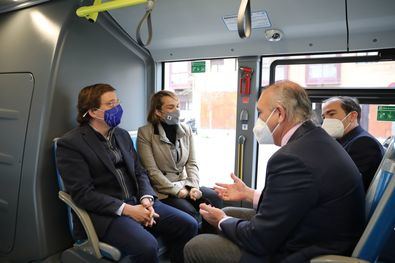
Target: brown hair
[(157, 103), (89, 98)]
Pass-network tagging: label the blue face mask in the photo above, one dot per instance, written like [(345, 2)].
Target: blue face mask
[(113, 116)]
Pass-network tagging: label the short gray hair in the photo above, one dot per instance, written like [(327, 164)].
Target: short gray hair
[(293, 98)]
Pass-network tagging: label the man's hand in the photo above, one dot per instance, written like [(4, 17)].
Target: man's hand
[(211, 214), (147, 203), (153, 215), (195, 194), (183, 193), (140, 214), (237, 191)]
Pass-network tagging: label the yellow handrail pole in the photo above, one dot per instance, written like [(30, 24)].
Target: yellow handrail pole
[(87, 11)]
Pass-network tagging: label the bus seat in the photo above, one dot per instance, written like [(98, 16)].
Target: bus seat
[(377, 232), (381, 179), (91, 245), (133, 136)]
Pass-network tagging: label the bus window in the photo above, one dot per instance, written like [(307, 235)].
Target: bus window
[(356, 79), (370, 122), (207, 91)]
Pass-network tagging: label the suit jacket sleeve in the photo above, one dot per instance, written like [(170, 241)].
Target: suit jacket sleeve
[(160, 182), (191, 166), (367, 155), (288, 196), (79, 183)]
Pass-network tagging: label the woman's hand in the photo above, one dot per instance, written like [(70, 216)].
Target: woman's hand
[(195, 194), (183, 193)]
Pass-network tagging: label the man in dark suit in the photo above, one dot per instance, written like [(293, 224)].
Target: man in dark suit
[(341, 120), (102, 173), (313, 201)]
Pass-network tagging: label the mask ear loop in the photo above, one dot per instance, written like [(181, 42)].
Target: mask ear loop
[(275, 128), (83, 116), (345, 128), (269, 119)]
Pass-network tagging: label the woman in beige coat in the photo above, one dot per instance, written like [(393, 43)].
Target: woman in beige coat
[(167, 152)]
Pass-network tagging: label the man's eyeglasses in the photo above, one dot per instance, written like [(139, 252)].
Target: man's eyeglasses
[(112, 104)]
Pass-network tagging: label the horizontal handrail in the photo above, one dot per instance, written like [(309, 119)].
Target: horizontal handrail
[(91, 12)]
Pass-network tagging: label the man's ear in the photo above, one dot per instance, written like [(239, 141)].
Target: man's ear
[(282, 113), (92, 113), (354, 115)]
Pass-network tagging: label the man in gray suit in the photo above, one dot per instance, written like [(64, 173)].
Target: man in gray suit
[(313, 202)]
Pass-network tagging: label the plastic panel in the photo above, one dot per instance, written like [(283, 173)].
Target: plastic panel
[(16, 92)]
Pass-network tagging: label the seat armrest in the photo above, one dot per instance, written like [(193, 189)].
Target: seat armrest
[(336, 259), (91, 246), (110, 251)]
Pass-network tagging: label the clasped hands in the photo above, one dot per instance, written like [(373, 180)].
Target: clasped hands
[(143, 213)]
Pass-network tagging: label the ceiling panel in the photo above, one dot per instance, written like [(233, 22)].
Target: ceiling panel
[(371, 24), (185, 29)]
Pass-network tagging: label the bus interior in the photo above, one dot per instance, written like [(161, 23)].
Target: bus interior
[(196, 49)]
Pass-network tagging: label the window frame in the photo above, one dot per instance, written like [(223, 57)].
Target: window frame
[(364, 95)]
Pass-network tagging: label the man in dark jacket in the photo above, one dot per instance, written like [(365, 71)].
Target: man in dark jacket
[(313, 201), (341, 120), (102, 173)]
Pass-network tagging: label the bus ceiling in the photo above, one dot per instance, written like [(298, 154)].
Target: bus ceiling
[(202, 29)]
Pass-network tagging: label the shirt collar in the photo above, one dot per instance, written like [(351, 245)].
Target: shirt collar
[(101, 136), (288, 135)]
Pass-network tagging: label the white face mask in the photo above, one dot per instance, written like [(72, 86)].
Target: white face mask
[(334, 127), (262, 132)]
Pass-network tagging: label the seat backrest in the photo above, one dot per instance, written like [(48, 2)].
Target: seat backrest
[(381, 179), (133, 136), (380, 227), (62, 188)]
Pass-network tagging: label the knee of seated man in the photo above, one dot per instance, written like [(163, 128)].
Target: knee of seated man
[(149, 248), (189, 250), (189, 226)]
